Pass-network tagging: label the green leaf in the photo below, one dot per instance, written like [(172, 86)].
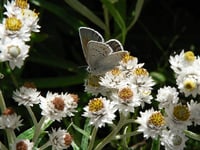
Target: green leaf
[(85, 139), (75, 147), (28, 134), (83, 10), (136, 13), (192, 135), (117, 17), (158, 77), (83, 132)]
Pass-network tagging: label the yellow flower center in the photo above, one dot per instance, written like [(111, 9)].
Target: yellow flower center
[(21, 3), (115, 71), (141, 72), (190, 85), (181, 112), (14, 51), (93, 81), (95, 104), (127, 57), (156, 120), (21, 146), (126, 94), (13, 24), (189, 56), (58, 103)]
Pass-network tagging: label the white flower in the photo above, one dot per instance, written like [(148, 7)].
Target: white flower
[(15, 51), (173, 140), (56, 106), (60, 139), (128, 63), (166, 96), (151, 123), (188, 81), (178, 116), (10, 120), (126, 99), (182, 61), (100, 111), (194, 108), (22, 144), (26, 96)]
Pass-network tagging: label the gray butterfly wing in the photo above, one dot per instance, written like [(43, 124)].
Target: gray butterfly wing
[(109, 62), (87, 34), (97, 51), (115, 45)]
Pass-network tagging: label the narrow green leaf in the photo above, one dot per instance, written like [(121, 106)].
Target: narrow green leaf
[(117, 17), (137, 12), (158, 77), (85, 139), (192, 135), (75, 147), (83, 132), (28, 134), (83, 10)]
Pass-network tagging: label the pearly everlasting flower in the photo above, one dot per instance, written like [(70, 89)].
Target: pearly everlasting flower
[(126, 99), (56, 106), (92, 85), (22, 144), (151, 123), (100, 111), (188, 81), (178, 116), (166, 96), (27, 96), (10, 120), (60, 139), (13, 50), (181, 61), (194, 108), (173, 140), (128, 63)]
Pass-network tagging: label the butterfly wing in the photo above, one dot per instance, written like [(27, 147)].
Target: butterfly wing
[(115, 45), (97, 51), (87, 34)]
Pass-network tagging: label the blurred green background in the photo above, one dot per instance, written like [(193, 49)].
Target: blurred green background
[(151, 30)]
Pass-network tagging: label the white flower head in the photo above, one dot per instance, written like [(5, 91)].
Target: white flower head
[(182, 61), (151, 123), (15, 51), (166, 96), (22, 144), (126, 99), (194, 108), (188, 81), (60, 139), (56, 106), (100, 111), (178, 116), (10, 120), (27, 96), (128, 62), (173, 140)]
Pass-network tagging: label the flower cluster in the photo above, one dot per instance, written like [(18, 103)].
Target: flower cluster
[(126, 86), (179, 110), (15, 30)]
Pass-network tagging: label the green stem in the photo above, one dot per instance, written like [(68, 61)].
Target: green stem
[(2, 102), (127, 135), (32, 115), (10, 135), (108, 138), (2, 146), (93, 137), (47, 144), (11, 75), (106, 18), (38, 129)]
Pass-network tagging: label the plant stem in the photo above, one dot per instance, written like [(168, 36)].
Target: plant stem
[(109, 137), (2, 102), (93, 137), (38, 129), (32, 115), (47, 144)]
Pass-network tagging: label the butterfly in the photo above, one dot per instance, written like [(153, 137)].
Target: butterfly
[(100, 56)]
